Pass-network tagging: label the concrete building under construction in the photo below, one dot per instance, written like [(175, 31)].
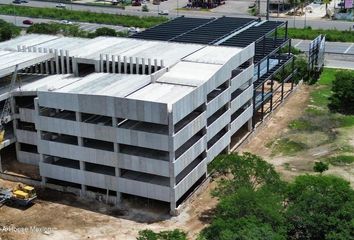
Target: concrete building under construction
[(140, 116)]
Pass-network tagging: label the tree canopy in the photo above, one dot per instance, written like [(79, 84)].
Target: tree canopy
[(260, 206), (8, 30), (247, 170), (342, 99)]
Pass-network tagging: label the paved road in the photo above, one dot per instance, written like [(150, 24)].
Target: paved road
[(90, 27), (339, 61), (299, 23), (331, 47)]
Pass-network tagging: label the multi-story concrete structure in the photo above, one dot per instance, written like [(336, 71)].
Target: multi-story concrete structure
[(130, 116)]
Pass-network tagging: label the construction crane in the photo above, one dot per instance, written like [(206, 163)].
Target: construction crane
[(5, 116)]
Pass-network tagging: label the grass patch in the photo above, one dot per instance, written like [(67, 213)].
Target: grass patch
[(341, 160), (318, 126), (320, 96), (286, 146), (346, 120), (332, 35), (301, 124), (82, 16)]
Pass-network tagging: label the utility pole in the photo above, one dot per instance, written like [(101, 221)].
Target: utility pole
[(267, 14)]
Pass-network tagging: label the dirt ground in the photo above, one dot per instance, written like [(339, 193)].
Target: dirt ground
[(63, 216)]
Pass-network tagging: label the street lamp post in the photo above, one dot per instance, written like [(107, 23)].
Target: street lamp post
[(267, 14), (15, 15), (177, 8), (294, 14)]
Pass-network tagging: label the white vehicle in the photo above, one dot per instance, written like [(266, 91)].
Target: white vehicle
[(60, 5), (66, 22), (164, 12), (134, 30)]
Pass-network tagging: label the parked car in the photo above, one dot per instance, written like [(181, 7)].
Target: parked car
[(136, 3), (24, 1), (163, 12), (27, 22), (60, 5), (132, 30), (16, 1), (66, 22)]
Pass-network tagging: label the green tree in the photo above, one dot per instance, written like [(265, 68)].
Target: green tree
[(8, 30), (327, 2), (320, 207), (164, 235), (342, 98), (247, 170), (320, 167), (105, 31), (248, 214)]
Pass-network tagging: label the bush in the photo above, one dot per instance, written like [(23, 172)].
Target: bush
[(8, 30), (164, 235), (342, 99), (320, 167), (144, 8), (105, 31), (57, 28), (331, 34)]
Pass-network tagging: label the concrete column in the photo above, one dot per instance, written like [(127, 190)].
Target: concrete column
[(18, 48), (249, 125), (119, 194), (67, 58), (131, 65), (162, 63), (155, 65), (137, 65), (51, 62), (107, 63), (119, 65), (24, 48), (173, 199), (113, 64), (74, 67), (101, 63), (79, 139), (46, 62), (44, 181), (62, 61), (143, 65), (125, 64), (83, 187), (149, 66), (41, 66), (56, 62)]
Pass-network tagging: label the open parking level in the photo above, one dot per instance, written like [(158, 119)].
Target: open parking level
[(331, 47)]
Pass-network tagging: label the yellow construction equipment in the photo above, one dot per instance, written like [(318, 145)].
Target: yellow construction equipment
[(5, 116), (2, 134), (23, 195)]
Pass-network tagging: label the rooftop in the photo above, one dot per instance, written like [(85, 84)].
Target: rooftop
[(9, 60), (115, 85)]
